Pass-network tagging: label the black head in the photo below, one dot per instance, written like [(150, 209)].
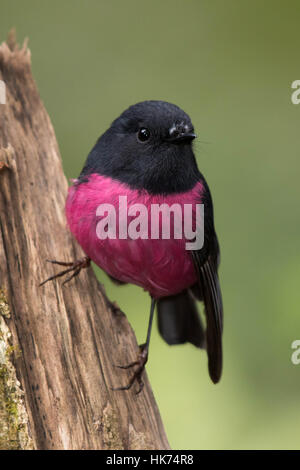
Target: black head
[(148, 147)]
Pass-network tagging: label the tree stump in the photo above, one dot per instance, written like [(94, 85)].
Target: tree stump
[(58, 345)]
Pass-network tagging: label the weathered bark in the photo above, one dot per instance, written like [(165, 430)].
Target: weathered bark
[(66, 338)]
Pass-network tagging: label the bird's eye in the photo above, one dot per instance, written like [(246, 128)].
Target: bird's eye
[(143, 134)]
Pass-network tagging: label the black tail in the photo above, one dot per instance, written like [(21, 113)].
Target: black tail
[(179, 321)]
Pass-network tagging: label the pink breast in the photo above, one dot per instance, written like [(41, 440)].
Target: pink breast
[(162, 267)]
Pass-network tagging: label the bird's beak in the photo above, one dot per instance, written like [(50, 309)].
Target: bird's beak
[(182, 137)]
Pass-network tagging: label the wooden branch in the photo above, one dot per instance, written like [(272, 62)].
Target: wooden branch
[(68, 337)]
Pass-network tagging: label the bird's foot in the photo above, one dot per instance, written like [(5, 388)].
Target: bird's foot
[(74, 267), (137, 375)]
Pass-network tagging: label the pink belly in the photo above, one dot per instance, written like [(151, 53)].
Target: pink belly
[(162, 267)]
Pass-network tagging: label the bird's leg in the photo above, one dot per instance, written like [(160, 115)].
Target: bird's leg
[(142, 358), (73, 267)]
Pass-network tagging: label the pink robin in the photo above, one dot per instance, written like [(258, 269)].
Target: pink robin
[(147, 156)]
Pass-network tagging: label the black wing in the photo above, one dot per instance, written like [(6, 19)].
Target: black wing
[(206, 263)]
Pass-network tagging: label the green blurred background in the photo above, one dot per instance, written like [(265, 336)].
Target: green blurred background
[(230, 65)]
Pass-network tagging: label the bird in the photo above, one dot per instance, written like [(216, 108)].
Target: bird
[(147, 155)]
